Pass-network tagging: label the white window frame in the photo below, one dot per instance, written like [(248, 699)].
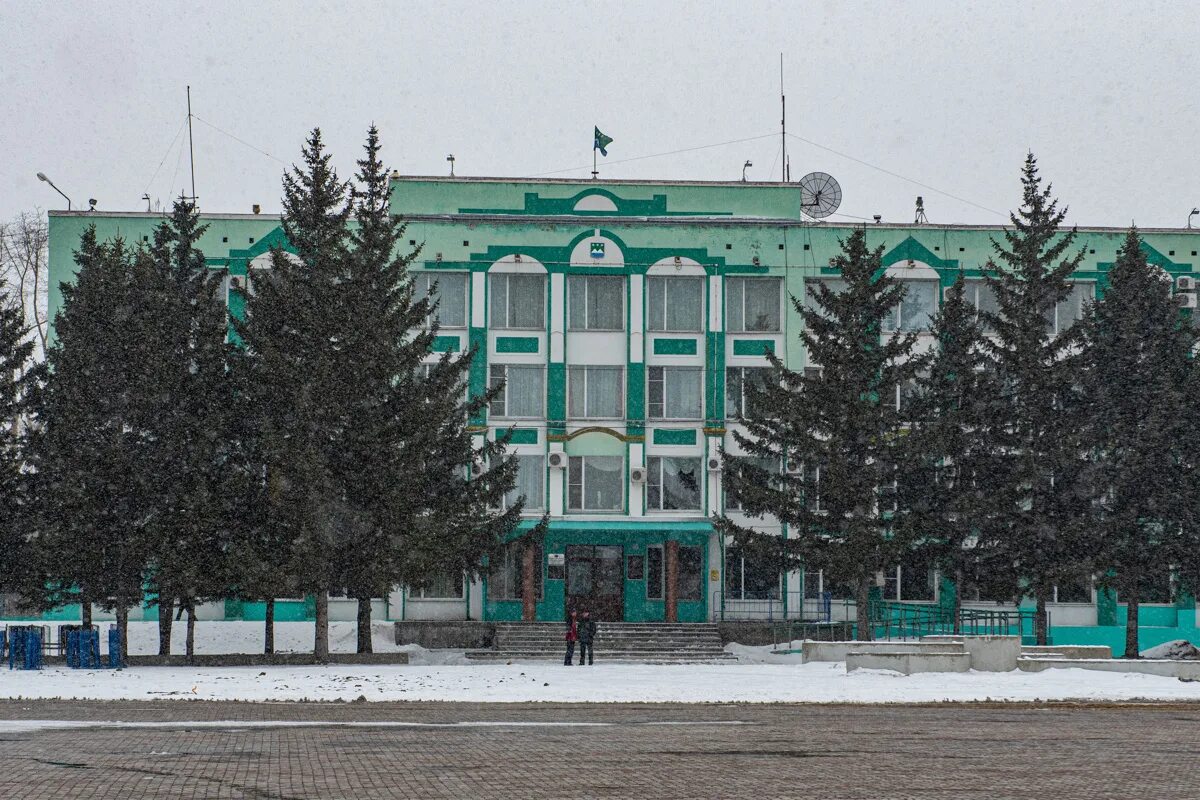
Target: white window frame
[(582, 484), (417, 593), (741, 401), (661, 282), (1060, 307), (574, 386), (541, 413), (539, 504), (505, 324), (898, 309), (662, 371), (743, 280), (654, 477), (428, 278), (574, 281)]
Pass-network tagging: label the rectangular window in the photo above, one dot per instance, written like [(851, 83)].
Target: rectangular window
[(595, 392), (506, 577), (691, 573), (673, 483), (518, 300), (811, 303), (1080, 591), (524, 392), (1071, 309), (915, 311), (442, 586), (595, 303), (813, 588), (752, 305), (675, 303), (673, 392), (531, 480), (595, 483), (982, 298), (449, 291), (749, 577), (654, 572), (771, 465), (737, 401)]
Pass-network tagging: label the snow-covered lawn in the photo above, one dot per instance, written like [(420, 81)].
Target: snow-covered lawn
[(735, 682)]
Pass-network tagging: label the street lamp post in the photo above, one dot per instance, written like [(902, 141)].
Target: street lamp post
[(1195, 211), (42, 177)]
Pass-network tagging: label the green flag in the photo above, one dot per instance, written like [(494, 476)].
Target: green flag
[(600, 142)]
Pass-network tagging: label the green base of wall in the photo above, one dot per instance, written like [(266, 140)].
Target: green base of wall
[(1114, 636)]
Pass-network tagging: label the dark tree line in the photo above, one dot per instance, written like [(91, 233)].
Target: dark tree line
[(1025, 451), (174, 453)]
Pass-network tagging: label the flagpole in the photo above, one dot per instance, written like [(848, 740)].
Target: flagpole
[(594, 172)]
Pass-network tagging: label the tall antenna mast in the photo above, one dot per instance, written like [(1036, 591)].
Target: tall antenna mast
[(191, 149), (782, 124)]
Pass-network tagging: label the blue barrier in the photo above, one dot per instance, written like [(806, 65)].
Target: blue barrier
[(25, 648), (114, 648)]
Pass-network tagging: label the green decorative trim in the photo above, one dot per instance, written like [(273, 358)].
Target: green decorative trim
[(714, 378), (674, 435), (674, 347), (556, 389), (536, 205), (516, 344), (635, 397), (1106, 606), (477, 382), (446, 344), (524, 436), (912, 250), (753, 347)]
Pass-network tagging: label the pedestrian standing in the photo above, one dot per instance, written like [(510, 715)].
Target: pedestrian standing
[(571, 637), (587, 634)]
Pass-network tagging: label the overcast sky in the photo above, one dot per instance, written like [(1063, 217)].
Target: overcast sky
[(947, 94)]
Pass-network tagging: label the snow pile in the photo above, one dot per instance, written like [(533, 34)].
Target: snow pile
[(1177, 649), (602, 683)]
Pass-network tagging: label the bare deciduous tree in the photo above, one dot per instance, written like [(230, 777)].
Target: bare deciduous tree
[(23, 266)]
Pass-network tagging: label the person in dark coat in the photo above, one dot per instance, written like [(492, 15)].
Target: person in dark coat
[(571, 637), (587, 634)]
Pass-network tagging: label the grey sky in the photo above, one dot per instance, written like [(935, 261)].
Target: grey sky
[(949, 94)]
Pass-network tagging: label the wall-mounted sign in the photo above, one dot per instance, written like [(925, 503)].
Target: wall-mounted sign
[(556, 559), (597, 249), (714, 575)]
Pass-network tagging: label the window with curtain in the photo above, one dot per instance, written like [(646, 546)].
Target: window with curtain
[(531, 480), (518, 300), (737, 399), (441, 586), (675, 303), (595, 483), (595, 392), (749, 576), (915, 310), (449, 290), (595, 303), (982, 298), (752, 305), (674, 392), (524, 392), (673, 483), (506, 576), (1071, 309)]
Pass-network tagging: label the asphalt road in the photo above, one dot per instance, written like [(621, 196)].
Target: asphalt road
[(282, 751)]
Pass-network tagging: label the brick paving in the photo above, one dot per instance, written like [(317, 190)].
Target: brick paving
[(780, 751)]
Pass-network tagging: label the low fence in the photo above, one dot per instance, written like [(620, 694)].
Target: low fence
[(28, 646), (787, 606)]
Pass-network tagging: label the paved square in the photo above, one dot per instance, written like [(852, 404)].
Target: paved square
[(288, 751)]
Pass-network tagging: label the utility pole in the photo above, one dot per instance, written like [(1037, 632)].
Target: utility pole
[(783, 170), (191, 149)]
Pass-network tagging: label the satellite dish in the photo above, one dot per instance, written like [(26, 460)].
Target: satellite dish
[(820, 195)]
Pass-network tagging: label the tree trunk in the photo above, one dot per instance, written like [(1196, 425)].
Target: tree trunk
[(85, 612), (862, 611), (269, 628), (528, 580), (321, 634), (165, 605), (1131, 623), (191, 628), (364, 625), (958, 582), (123, 627), (1040, 626)]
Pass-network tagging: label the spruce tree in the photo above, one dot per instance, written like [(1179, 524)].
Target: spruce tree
[(16, 378), (1039, 484), (838, 432), (87, 446), (183, 396), (955, 449), (1138, 359)]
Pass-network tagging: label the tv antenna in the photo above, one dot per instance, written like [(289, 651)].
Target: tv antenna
[(921, 218), (820, 195), (191, 149)]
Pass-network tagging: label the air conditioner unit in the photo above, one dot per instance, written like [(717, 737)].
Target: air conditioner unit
[(1186, 299), (1185, 283), (794, 467), (714, 464), (235, 282), (557, 460), (477, 468), (637, 474)]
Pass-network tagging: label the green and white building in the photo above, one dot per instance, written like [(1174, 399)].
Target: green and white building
[(625, 316)]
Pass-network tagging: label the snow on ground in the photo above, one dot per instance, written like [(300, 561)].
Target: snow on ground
[(1177, 648), (544, 682)]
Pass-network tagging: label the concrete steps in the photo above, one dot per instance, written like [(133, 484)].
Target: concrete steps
[(628, 642)]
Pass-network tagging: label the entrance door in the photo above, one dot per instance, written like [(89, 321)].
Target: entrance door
[(596, 581)]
